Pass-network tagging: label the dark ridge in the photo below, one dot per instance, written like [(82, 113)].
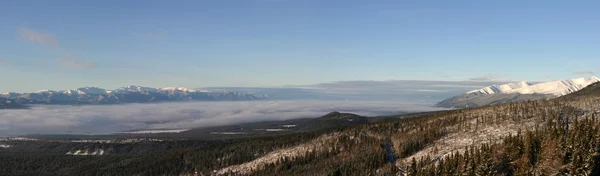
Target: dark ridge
[(339, 115), (592, 90), (11, 104)]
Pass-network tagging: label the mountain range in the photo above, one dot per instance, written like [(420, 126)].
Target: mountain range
[(129, 94), (518, 91)]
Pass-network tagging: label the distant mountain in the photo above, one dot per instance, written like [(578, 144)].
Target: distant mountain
[(514, 92), (129, 94), (10, 104)]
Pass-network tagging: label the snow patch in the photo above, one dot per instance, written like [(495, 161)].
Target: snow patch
[(86, 152)]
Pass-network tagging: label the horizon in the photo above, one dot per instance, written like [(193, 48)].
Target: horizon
[(491, 83)]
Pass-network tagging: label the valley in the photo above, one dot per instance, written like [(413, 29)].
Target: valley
[(475, 139)]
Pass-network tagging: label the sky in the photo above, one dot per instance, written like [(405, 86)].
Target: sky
[(261, 43)]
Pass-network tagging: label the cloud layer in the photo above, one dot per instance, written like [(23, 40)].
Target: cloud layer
[(114, 118), (583, 73), (68, 61), (486, 77), (38, 37)]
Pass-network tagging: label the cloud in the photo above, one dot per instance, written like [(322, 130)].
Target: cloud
[(75, 62), (43, 38), (486, 77), (115, 118), (583, 73), (30, 35)]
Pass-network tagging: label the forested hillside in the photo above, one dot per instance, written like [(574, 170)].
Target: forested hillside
[(555, 137)]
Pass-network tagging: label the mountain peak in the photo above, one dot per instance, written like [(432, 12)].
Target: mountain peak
[(500, 88), (90, 90), (183, 89), (134, 88), (558, 87)]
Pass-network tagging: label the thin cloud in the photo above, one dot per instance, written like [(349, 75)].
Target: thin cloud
[(486, 77), (583, 73), (428, 90), (43, 38)]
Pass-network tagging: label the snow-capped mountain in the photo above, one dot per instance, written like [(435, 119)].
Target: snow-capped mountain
[(10, 95), (133, 88), (519, 91), (9, 104), (558, 88), (129, 94), (91, 90), (500, 88)]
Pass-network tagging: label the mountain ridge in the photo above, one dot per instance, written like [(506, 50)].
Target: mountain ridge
[(128, 94), (517, 91)]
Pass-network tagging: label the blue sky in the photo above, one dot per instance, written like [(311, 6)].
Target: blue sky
[(203, 43)]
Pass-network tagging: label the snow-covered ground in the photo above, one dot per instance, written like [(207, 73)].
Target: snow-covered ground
[(86, 152), (17, 139), (274, 156), (4, 146), (458, 141), (119, 141)]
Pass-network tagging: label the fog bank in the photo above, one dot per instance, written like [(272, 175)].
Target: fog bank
[(44, 119)]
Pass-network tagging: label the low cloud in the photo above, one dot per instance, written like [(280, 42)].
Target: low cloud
[(43, 38), (486, 77), (45, 119), (429, 90), (583, 73)]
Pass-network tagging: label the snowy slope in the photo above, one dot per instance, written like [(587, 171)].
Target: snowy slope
[(501, 88), (557, 88), (519, 91)]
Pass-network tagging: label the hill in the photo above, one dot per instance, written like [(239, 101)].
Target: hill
[(516, 92)]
